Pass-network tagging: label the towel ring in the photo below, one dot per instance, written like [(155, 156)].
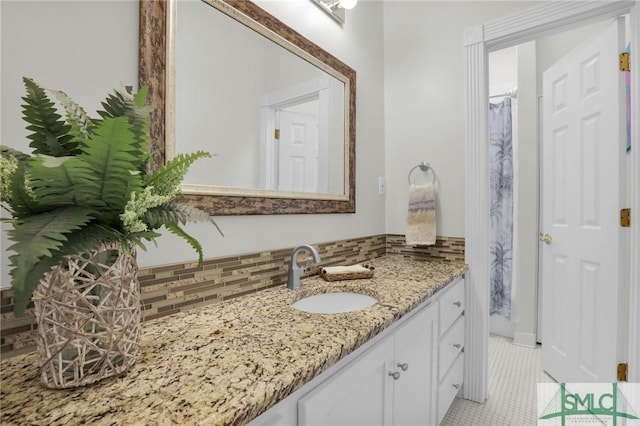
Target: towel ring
[(425, 167)]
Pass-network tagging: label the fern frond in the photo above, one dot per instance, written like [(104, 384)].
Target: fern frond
[(49, 134), (166, 179), (88, 238), (137, 237), (108, 168), (21, 201), (133, 107), (79, 121), (174, 214), (174, 229), (32, 279), (53, 183), (117, 104), (37, 237), (140, 98), (103, 176)]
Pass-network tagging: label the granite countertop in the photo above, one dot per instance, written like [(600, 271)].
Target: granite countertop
[(226, 363)]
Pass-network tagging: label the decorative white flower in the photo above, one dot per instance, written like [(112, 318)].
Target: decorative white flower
[(138, 205), (8, 167)]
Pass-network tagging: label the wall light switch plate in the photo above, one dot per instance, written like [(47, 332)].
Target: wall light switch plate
[(382, 185)]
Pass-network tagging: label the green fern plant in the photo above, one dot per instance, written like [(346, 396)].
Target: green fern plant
[(87, 182)]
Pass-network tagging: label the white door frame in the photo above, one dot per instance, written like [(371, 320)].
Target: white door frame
[(478, 41)]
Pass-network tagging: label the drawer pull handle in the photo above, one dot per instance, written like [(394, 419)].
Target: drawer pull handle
[(457, 386), (404, 366), (394, 374), (457, 303), (457, 346)]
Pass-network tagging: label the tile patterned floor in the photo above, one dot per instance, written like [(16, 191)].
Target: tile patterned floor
[(514, 372)]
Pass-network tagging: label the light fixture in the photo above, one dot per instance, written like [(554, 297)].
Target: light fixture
[(336, 8), (347, 4)]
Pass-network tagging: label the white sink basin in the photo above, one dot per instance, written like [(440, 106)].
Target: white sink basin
[(334, 303)]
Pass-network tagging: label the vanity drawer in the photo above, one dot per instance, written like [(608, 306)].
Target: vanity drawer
[(449, 387), (451, 344), (451, 305)]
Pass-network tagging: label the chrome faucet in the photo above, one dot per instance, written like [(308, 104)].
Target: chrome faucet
[(295, 271)]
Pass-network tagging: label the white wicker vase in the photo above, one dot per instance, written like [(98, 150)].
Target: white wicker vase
[(88, 317)]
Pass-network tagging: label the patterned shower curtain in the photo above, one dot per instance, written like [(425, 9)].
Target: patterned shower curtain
[(501, 230)]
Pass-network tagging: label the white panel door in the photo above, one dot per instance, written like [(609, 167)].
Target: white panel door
[(583, 147), (299, 152)]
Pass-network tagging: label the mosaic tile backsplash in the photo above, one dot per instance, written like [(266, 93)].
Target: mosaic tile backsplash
[(169, 289)]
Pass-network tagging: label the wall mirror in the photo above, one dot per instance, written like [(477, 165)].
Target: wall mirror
[(276, 110)]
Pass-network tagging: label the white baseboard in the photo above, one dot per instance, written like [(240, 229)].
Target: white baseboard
[(500, 326), (524, 339)]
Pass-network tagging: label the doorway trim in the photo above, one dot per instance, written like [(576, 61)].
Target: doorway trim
[(478, 41)]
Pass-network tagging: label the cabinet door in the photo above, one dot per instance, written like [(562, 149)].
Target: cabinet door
[(416, 345), (359, 394)]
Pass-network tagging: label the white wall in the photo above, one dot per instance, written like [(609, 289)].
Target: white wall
[(87, 47), (527, 250), (503, 71), (424, 99)]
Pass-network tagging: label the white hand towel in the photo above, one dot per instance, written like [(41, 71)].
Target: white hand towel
[(421, 217), (338, 273)]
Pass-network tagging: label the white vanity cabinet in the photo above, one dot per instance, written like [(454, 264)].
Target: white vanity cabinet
[(391, 383), (450, 346), (408, 375)]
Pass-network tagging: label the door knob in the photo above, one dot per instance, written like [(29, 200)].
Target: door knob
[(404, 366), (546, 238), (394, 374)]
